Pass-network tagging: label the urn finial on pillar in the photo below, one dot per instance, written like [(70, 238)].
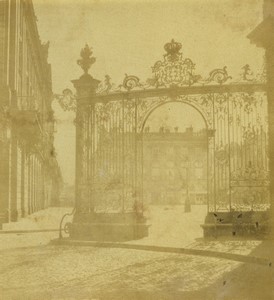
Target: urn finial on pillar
[(86, 85), (86, 59)]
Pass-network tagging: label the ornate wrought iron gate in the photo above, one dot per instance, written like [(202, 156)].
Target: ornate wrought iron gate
[(110, 122)]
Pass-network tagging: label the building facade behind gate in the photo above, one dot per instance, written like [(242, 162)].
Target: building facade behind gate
[(30, 177), (175, 164)]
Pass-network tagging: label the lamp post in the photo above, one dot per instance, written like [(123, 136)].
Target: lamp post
[(187, 200)]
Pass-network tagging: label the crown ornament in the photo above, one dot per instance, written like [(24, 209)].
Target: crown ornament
[(173, 50)]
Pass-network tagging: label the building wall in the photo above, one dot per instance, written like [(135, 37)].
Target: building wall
[(26, 116), (175, 163)]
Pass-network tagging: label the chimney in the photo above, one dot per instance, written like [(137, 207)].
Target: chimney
[(189, 130), (147, 129)]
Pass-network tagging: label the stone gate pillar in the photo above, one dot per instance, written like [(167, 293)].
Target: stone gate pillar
[(88, 222), (263, 36), (86, 87)]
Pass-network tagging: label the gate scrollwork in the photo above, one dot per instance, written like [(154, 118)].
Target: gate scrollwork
[(235, 113)]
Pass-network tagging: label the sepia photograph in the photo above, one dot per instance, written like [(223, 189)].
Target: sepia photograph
[(136, 149)]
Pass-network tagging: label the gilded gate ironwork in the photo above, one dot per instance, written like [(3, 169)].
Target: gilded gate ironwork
[(111, 124)]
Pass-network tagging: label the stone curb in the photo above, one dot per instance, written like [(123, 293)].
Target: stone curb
[(27, 231), (188, 251)]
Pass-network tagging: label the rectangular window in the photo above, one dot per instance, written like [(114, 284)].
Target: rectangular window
[(156, 152), (183, 173), (170, 174), (155, 173), (199, 173), (170, 150), (170, 164)]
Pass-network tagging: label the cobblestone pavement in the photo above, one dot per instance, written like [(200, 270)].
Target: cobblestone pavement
[(49, 272), (25, 240), (31, 269)]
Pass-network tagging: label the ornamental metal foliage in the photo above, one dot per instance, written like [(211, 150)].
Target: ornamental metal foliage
[(173, 71), (176, 71), (111, 129)]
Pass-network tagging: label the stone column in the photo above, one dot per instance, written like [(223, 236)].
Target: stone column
[(4, 182), (23, 178), (13, 176), (263, 36), (86, 87), (87, 224)]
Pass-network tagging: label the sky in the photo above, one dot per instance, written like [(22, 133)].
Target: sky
[(128, 37)]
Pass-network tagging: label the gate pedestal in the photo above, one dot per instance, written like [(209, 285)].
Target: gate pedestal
[(108, 227), (102, 175), (236, 224)]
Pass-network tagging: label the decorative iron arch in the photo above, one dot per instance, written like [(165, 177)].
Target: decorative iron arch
[(207, 117), (111, 119)]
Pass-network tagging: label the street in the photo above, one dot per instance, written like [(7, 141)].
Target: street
[(49, 272), (60, 273), (31, 268), (136, 150)]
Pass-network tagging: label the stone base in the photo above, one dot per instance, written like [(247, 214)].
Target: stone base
[(108, 227), (236, 224), (3, 218)]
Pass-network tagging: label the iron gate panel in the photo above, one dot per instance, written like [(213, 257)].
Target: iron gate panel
[(111, 124)]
